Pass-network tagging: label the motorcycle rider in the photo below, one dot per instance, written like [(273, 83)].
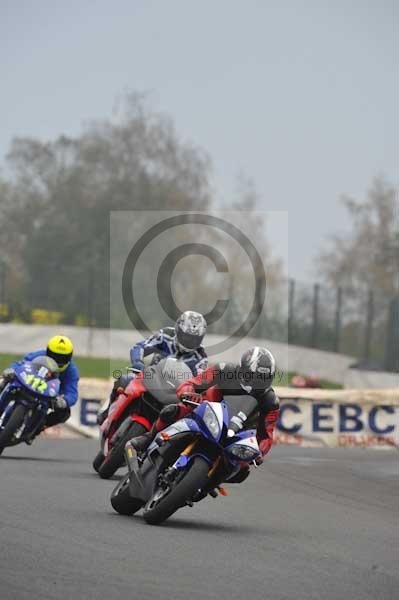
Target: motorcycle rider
[(60, 349), (253, 377), (183, 341)]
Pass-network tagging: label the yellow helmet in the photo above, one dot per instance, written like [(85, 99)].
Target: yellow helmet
[(60, 348)]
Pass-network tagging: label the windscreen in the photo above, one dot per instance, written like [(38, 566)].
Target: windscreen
[(246, 404)]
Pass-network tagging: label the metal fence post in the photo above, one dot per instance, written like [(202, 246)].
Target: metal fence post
[(368, 326), (315, 319), (5, 312), (391, 362), (90, 307), (338, 320), (2, 282), (291, 301)]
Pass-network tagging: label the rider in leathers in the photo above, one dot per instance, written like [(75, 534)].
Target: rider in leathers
[(253, 377), (60, 349), (183, 341)]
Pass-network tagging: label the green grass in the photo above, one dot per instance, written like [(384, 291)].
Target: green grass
[(88, 367), (103, 368)]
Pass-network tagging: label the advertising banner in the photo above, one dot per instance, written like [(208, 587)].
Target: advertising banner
[(308, 417), (334, 423)]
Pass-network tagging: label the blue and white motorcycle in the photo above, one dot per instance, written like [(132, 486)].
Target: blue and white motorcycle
[(187, 460), (25, 400)]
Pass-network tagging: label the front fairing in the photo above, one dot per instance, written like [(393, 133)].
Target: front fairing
[(30, 380), (244, 440), (217, 412), (195, 424), (175, 440)]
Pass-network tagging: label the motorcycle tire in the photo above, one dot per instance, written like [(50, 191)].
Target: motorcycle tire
[(97, 462), (194, 478), (116, 457), (13, 424), (121, 500)]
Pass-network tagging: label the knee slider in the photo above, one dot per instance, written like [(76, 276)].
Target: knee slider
[(169, 413), (64, 414)]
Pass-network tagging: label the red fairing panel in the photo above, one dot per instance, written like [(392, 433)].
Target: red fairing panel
[(142, 420), (134, 390)]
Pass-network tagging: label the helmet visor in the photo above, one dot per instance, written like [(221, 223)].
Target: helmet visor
[(258, 380), (62, 360), (189, 341)]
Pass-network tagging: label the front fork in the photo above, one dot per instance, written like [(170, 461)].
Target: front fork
[(184, 459), (3, 395), (214, 475)]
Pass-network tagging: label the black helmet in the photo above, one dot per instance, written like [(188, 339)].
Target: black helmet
[(257, 368), (190, 330)]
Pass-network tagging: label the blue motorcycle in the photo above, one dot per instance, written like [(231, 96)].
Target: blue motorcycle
[(188, 460), (25, 400)]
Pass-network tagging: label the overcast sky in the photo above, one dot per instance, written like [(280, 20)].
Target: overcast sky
[(302, 96)]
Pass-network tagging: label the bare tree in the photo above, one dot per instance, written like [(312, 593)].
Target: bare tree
[(55, 209), (368, 256)]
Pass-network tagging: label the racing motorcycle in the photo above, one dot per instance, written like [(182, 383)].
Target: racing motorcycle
[(187, 460), (135, 410), (25, 400)]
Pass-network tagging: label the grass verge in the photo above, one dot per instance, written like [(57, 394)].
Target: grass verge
[(103, 368)]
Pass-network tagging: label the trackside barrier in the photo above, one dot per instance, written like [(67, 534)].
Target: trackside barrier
[(82, 423), (308, 417), (339, 418)]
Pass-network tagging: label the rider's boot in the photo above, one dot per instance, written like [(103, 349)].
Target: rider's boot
[(141, 442), (140, 445)]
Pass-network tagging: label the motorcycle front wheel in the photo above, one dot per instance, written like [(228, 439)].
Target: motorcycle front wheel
[(13, 424), (193, 478), (116, 456), (98, 461)]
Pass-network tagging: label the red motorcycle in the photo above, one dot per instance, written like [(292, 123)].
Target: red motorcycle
[(136, 409)]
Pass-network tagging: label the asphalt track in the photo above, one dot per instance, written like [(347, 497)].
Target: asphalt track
[(309, 524)]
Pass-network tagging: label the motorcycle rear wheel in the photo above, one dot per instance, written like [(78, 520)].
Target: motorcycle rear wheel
[(13, 424), (194, 478), (116, 457), (121, 500)]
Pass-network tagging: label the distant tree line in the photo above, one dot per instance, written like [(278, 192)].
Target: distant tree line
[(55, 203)]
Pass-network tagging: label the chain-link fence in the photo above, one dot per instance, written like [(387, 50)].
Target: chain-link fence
[(363, 325)]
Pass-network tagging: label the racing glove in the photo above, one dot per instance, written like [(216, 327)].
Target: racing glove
[(190, 397), (236, 424), (185, 390), (8, 374)]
